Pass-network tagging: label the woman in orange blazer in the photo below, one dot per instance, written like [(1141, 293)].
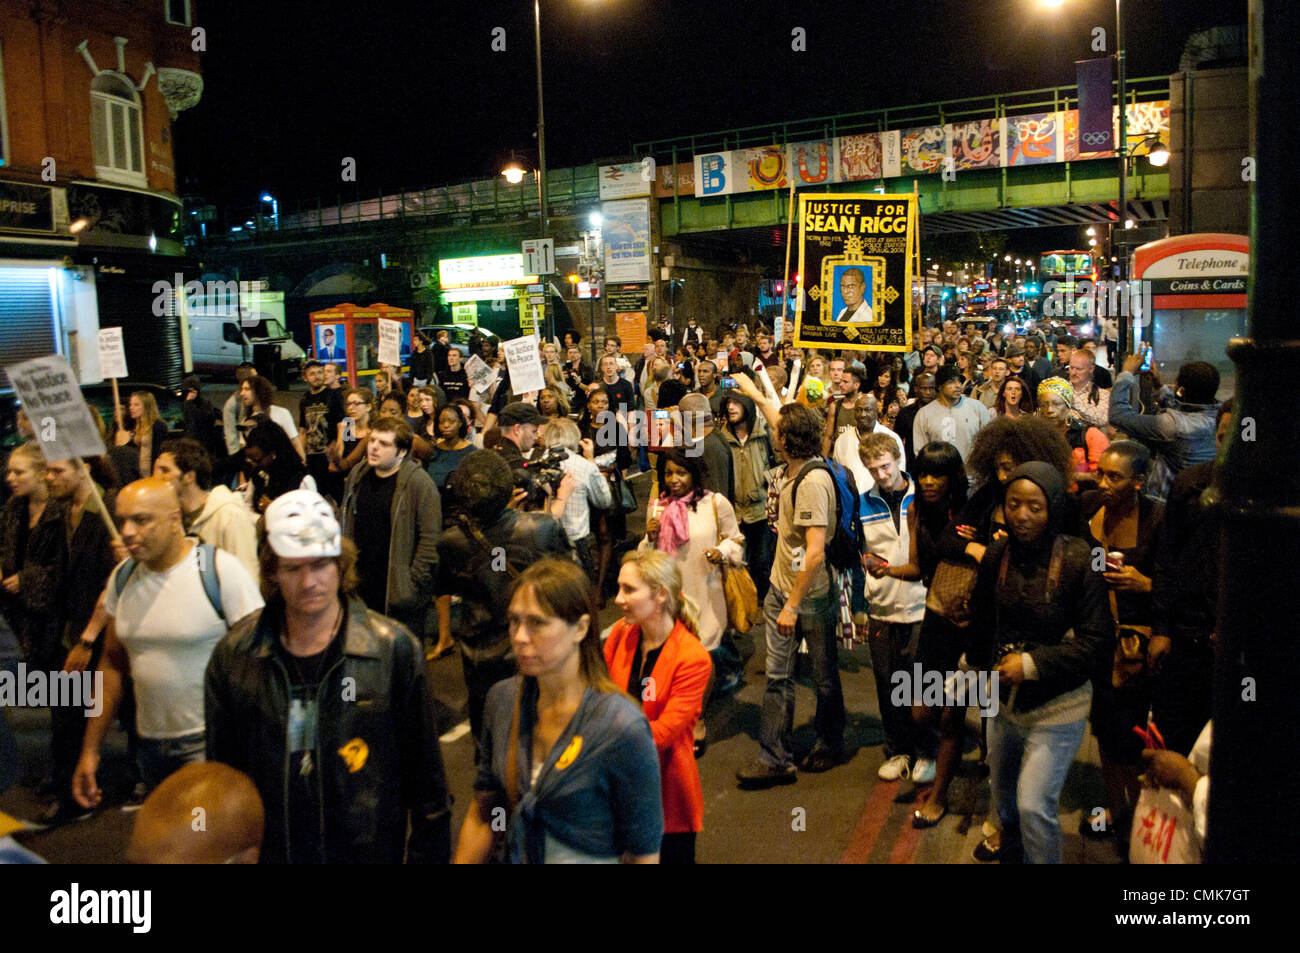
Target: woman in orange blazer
[(655, 652)]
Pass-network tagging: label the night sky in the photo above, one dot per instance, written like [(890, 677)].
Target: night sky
[(414, 92)]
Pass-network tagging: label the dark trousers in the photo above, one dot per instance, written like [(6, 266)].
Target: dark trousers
[(893, 649), (678, 849), (68, 730), (586, 550), (1180, 701), (479, 677), (760, 544), (327, 483)]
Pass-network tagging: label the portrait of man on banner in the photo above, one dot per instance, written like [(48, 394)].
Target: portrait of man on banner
[(855, 253), (329, 344), (853, 295)]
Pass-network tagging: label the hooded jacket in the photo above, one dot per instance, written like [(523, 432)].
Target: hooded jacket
[(750, 462), (226, 523), (1065, 627), (416, 525)]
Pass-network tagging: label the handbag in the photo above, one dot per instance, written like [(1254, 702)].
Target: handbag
[(738, 587), (950, 592), (1164, 831), (1130, 654)]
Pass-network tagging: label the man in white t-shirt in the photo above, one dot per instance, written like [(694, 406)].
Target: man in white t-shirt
[(845, 453), (162, 629)]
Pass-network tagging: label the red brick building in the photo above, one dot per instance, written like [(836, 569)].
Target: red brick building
[(89, 216)]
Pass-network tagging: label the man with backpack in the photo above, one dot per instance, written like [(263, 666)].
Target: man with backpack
[(801, 602), (169, 605)]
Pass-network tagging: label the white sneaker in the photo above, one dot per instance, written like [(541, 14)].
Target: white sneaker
[(899, 766), (923, 772)]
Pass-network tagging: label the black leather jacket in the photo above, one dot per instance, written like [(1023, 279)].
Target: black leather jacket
[(383, 717)]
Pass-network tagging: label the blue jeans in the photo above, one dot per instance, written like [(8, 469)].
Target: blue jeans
[(161, 757), (816, 626), (1027, 769)]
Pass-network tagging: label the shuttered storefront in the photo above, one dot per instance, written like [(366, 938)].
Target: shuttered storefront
[(152, 344), (27, 316)]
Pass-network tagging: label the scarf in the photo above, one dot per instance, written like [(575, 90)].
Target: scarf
[(675, 521)]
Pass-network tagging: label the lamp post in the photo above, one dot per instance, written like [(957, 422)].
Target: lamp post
[(541, 122)]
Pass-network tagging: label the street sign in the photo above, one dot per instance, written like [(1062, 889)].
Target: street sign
[(627, 298), (537, 299), (539, 256)]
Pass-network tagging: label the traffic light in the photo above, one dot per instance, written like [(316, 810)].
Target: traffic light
[(797, 278), (779, 288)]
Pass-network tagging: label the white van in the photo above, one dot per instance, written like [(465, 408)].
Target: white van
[(220, 340)]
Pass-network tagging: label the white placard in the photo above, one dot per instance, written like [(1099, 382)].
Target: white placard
[(390, 342), (479, 372), (723, 362), (54, 404), (524, 364), (112, 353)]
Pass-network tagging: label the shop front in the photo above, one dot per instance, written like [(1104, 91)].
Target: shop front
[(1197, 289), (492, 292)]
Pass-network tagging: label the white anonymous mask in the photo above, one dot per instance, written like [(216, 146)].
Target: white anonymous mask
[(301, 524)]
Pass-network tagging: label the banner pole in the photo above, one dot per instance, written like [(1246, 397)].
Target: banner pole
[(117, 408), (916, 260), (785, 278), (108, 520)]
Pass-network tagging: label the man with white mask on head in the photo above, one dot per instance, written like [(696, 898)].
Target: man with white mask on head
[(326, 706)]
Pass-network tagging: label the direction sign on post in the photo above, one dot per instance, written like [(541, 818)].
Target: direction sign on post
[(539, 256)]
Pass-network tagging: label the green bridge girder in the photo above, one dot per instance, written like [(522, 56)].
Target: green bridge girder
[(1088, 182)]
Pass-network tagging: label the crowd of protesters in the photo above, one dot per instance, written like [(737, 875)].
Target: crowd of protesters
[(264, 591)]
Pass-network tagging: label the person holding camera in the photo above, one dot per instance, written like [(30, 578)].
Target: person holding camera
[(586, 488), (485, 546), (516, 434)]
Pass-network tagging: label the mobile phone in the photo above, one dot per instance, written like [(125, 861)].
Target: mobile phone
[(728, 382), (661, 415), (1146, 357)]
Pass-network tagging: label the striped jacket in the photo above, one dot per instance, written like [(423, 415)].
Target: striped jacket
[(890, 600)]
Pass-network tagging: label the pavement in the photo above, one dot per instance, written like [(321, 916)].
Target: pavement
[(845, 815)]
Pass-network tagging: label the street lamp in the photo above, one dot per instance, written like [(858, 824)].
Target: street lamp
[(275, 208), (514, 175)]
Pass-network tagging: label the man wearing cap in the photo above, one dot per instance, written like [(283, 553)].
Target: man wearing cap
[(326, 706), (516, 434), (1016, 364), (162, 627), (950, 417), (393, 512)]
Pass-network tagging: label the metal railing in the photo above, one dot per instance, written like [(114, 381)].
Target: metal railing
[(481, 201), (1046, 99)]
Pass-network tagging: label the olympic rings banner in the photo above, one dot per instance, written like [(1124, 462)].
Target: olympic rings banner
[(856, 262), (1004, 142)]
